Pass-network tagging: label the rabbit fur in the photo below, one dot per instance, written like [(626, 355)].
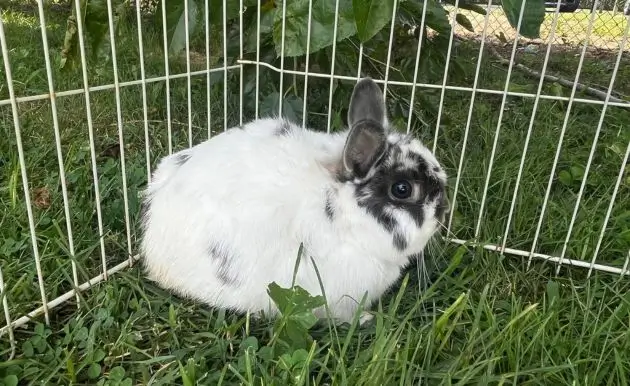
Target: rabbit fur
[(225, 218)]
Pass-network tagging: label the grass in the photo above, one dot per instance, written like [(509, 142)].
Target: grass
[(571, 29), (482, 319)]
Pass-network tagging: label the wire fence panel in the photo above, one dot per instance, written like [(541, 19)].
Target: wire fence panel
[(534, 132), (571, 29)]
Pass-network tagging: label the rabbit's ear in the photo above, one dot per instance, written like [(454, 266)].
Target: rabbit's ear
[(367, 103), (365, 145), (367, 141)]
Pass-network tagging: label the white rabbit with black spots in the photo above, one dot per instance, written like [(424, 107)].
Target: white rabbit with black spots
[(225, 218)]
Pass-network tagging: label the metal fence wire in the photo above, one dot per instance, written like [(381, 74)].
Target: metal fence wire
[(571, 28), (534, 135)]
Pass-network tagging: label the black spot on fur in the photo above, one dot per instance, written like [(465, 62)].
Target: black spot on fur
[(330, 210), (374, 194), (416, 158), (284, 129), (220, 253), (377, 209), (436, 169), (181, 158), (399, 241)]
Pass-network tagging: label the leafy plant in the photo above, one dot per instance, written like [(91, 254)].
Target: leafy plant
[(283, 40), (360, 19), (533, 15), (296, 306), (95, 21)]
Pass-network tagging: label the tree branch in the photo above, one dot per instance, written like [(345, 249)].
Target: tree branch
[(551, 78)]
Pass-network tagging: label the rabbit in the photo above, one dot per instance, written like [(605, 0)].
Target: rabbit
[(226, 217)]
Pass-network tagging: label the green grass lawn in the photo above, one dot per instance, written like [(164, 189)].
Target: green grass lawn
[(571, 27), (469, 316)]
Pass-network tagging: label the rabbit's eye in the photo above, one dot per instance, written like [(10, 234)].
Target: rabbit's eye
[(401, 189)]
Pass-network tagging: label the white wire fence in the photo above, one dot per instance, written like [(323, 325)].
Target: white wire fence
[(84, 142), (569, 30)]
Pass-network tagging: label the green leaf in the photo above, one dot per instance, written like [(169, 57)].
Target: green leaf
[(266, 353), (436, 16), (565, 177), (94, 371), (304, 319), (577, 172), (102, 314), (295, 302), (95, 21), (322, 26), (96, 24), (285, 361), (295, 335), (39, 343), (307, 302), (552, 291), (176, 24), (251, 34), (291, 106), (248, 342), (371, 16), (473, 7), (126, 382), (10, 380), (464, 22), (175, 19), (81, 334), (39, 329), (27, 349), (299, 356), (469, 6), (280, 296), (216, 10), (70, 49), (117, 373), (534, 14)]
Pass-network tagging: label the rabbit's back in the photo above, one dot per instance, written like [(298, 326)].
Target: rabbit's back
[(224, 217)]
